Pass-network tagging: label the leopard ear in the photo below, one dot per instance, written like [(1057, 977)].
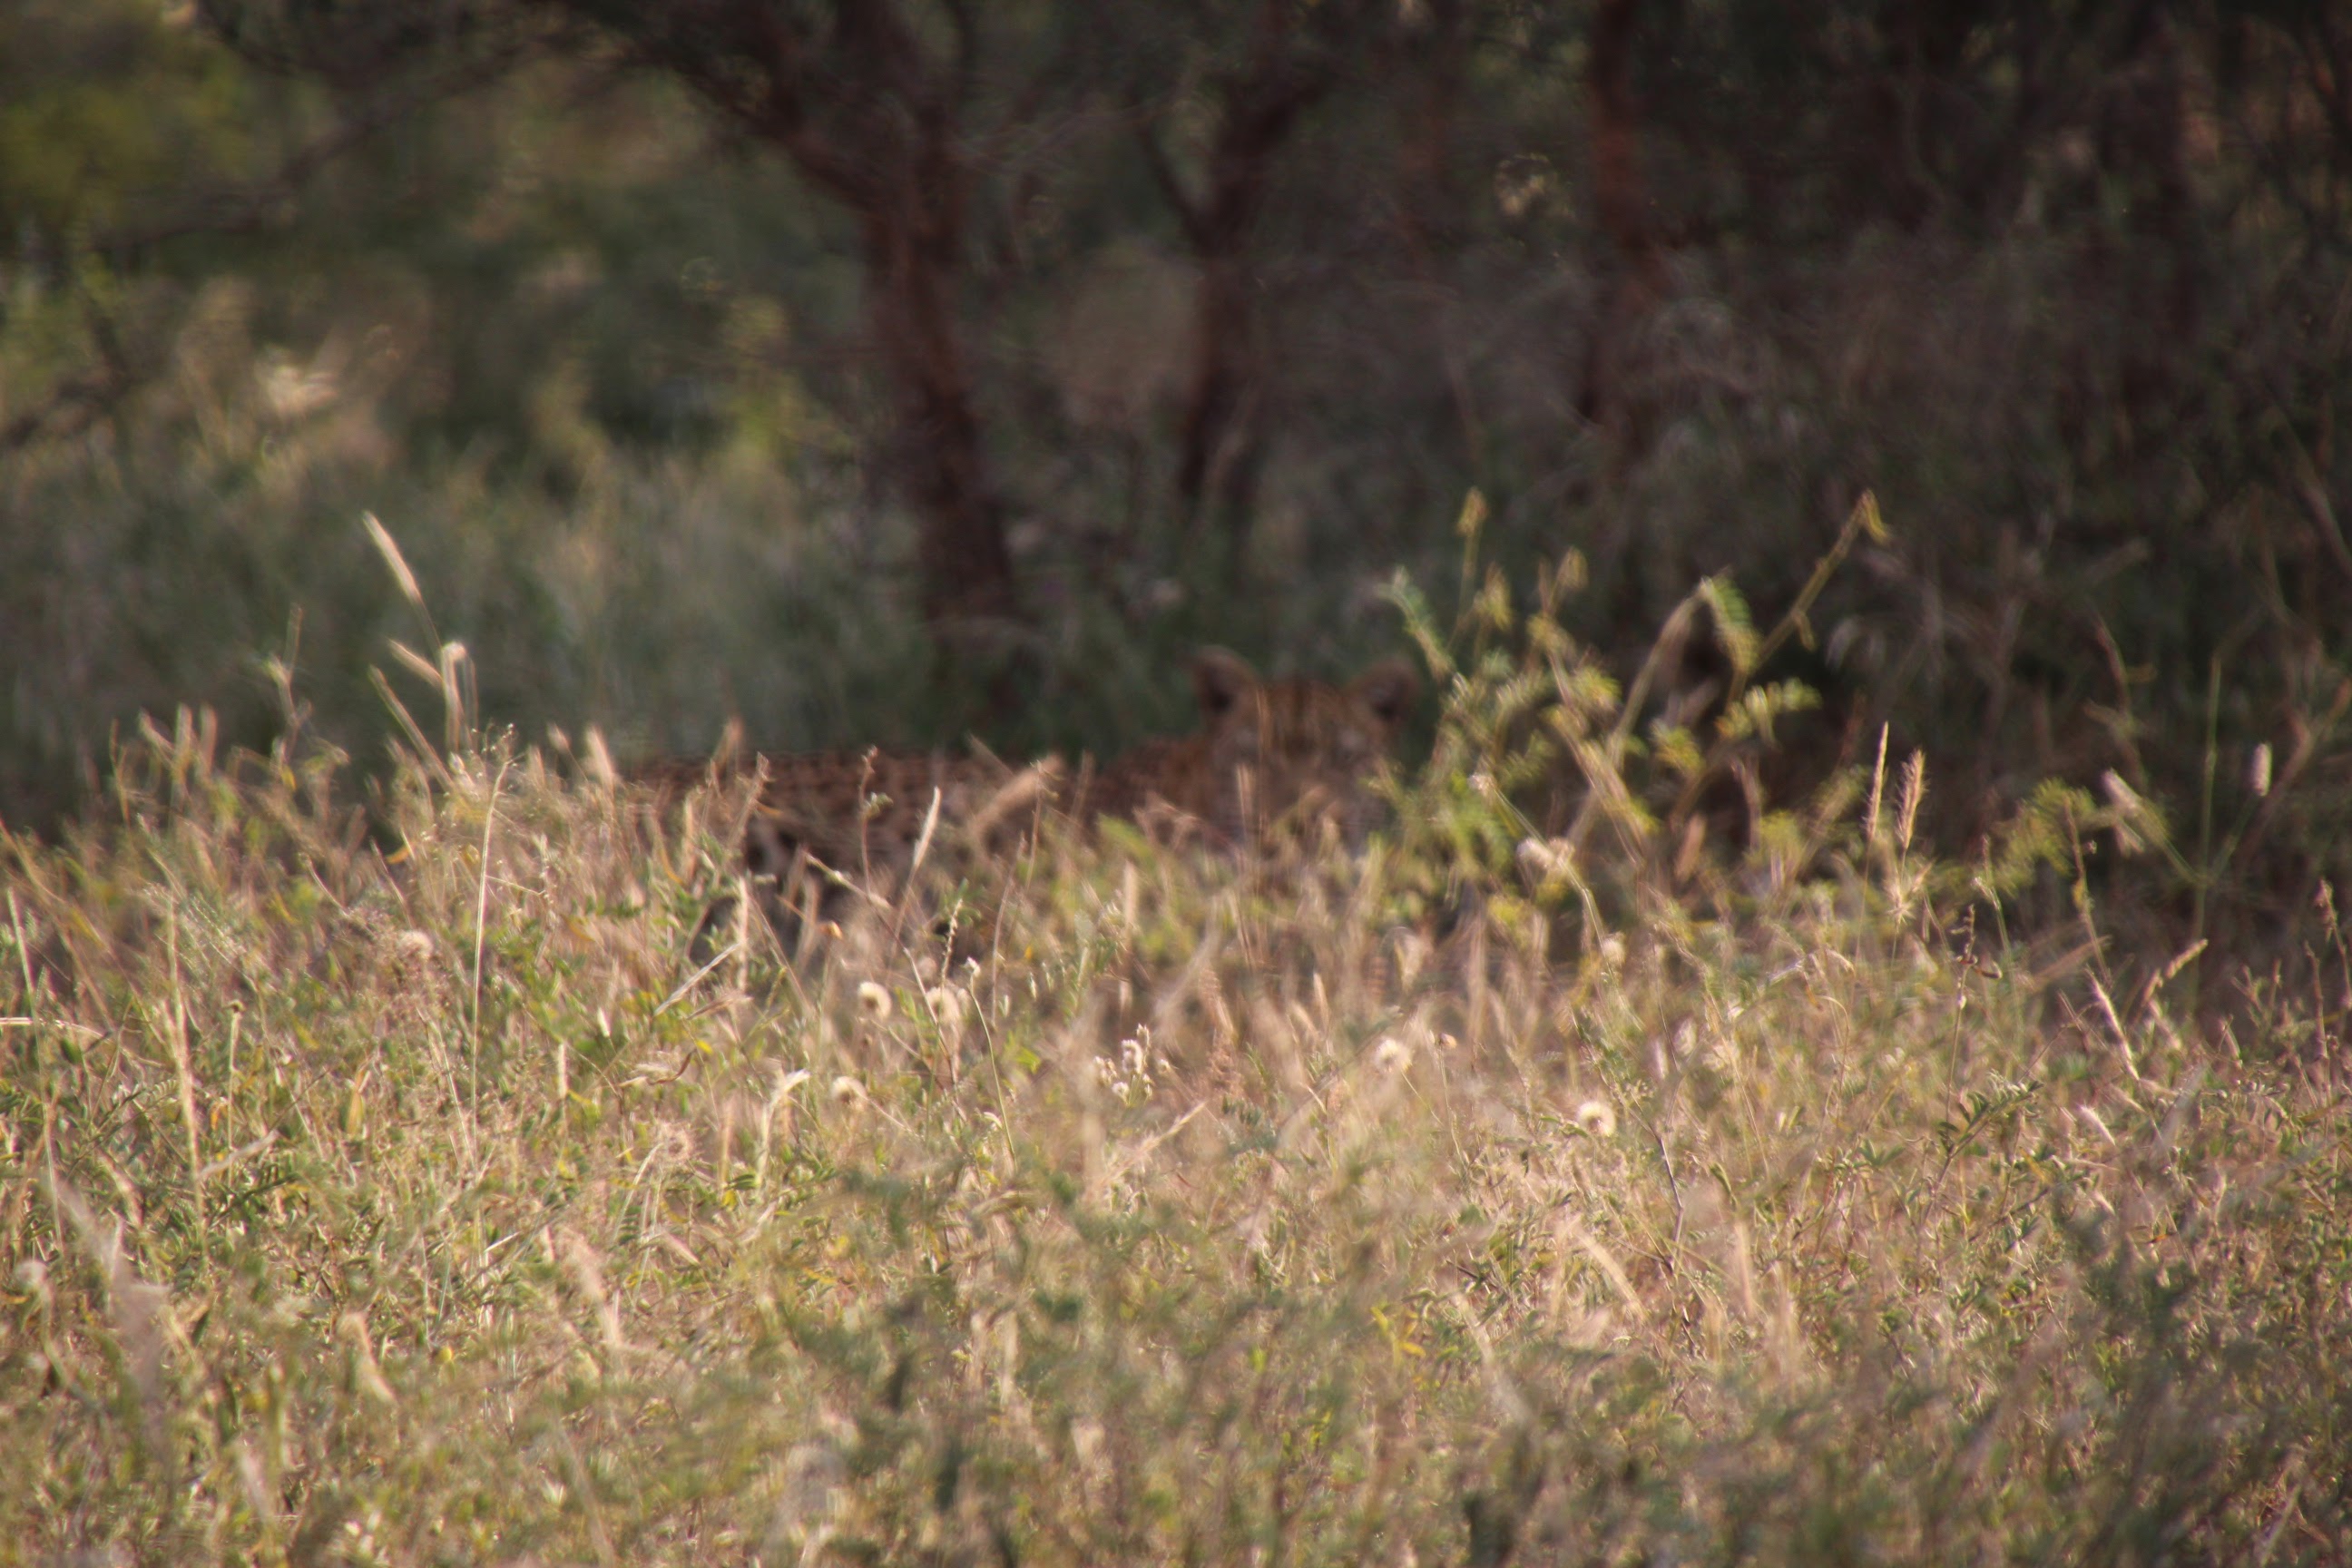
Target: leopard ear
[(1221, 680), (1388, 689)]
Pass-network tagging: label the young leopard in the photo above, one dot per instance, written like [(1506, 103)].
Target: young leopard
[(1268, 754), (831, 829)]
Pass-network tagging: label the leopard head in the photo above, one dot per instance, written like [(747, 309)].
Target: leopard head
[(1293, 751)]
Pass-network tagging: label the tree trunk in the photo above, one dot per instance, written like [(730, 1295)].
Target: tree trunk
[(1622, 199), (1619, 194), (1225, 367), (913, 241), (1282, 80), (869, 114)]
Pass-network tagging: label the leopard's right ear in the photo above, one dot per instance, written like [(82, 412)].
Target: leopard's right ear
[(1221, 678), (1389, 688)]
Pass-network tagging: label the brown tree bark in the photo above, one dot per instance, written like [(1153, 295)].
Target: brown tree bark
[(1433, 57), (1262, 105), (874, 122), (914, 233), (1621, 197)]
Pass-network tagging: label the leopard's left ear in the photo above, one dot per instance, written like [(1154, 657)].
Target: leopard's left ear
[(1221, 678), (1389, 688)]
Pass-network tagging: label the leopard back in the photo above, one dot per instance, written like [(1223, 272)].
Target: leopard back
[(829, 835), (873, 814)]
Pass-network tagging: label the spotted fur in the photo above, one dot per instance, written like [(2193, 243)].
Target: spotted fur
[(830, 829), (828, 832), (1269, 754)]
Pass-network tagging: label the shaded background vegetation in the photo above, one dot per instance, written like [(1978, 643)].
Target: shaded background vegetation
[(895, 371)]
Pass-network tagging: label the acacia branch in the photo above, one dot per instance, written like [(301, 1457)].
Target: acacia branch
[(966, 47), (240, 209), (783, 115), (1619, 193), (75, 405), (1171, 187), (2331, 84)]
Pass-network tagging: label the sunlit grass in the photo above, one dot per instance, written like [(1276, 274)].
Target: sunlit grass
[(388, 1194)]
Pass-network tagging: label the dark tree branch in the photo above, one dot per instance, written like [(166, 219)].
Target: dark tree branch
[(242, 208), (967, 48), (1620, 195), (72, 407), (1285, 76), (1172, 188), (783, 115), (2331, 83)]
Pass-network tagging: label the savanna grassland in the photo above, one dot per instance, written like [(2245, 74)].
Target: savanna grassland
[(401, 1185), (1862, 1081)]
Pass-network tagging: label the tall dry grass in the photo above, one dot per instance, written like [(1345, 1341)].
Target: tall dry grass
[(386, 1188)]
